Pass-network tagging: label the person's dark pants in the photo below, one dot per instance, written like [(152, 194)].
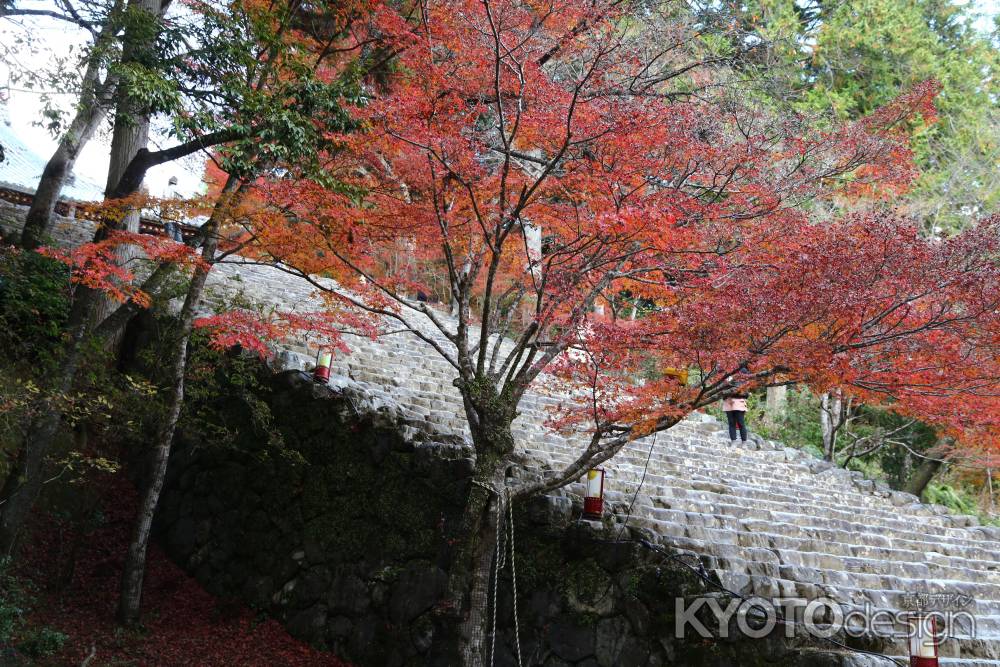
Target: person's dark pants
[(737, 418)]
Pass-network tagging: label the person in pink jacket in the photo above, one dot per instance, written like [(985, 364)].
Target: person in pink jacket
[(735, 407)]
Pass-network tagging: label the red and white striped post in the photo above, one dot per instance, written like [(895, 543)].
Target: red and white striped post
[(593, 502), (923, 641)]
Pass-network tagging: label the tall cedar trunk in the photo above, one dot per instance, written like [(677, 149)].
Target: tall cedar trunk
[(135, 562), (90, 307), (923, 475), (130, 135), (133, 138), (25, 481), (90, 112)]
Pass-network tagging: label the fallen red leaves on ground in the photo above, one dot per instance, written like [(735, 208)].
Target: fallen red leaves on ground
[(182, 623)]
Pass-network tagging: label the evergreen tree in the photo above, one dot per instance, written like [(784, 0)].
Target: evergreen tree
[(846, 58)]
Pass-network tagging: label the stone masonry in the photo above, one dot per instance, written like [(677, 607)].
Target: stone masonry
[(766, 520)]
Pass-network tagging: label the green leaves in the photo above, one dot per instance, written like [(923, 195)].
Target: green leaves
[(148, 88), (34, 304), (849, 58)]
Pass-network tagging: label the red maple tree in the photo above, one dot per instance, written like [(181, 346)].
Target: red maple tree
[(537, 161)]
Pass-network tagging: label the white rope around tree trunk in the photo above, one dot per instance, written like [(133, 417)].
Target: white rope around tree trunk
[(500, 558), (496, 577), (513, 576)]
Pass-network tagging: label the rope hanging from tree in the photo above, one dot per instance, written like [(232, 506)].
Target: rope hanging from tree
[(503, 554)]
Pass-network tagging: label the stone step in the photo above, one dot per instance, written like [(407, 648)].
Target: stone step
[(765, 517), (817, 523), (796, 546), (807, 561), (686, 492), (758, 495), (762, 492), (830, 513), (766, 580)]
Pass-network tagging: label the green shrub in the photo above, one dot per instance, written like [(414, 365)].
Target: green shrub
[(12, 603), (870, 467), (15, 598), (800, 427), (226, 398), (34, 305), (42, 642), (955, 499)]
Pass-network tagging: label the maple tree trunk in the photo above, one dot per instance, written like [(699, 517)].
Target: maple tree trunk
[(470, 571), (135, 561), (133, 572), (470, 576)]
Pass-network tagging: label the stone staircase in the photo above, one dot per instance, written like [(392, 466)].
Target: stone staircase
[(764, 520)]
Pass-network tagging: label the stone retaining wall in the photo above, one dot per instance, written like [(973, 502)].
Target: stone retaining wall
[(763, 519), (349, 547)]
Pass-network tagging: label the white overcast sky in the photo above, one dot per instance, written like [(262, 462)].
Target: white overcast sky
[(54, 39), (24, 107)]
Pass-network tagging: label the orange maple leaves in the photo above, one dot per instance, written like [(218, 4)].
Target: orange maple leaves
[(507, 119), (98, 266)]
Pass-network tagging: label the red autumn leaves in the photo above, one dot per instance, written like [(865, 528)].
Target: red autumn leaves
[(652, 180)]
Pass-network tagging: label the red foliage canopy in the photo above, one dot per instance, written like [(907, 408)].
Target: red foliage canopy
[(533, 161), (512, 121)]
